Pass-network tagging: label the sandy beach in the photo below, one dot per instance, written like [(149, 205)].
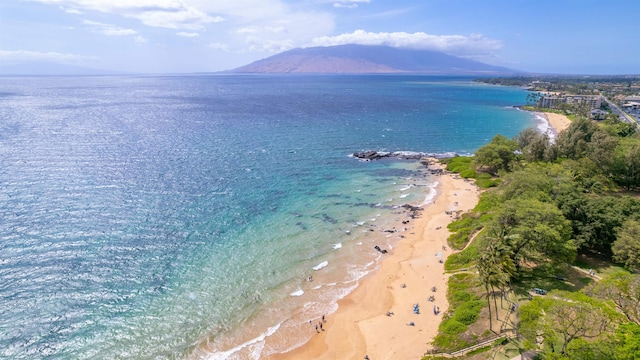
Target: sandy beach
[(557, 121), (378, 318)]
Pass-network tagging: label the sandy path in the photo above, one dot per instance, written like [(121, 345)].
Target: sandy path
[(361, 327)]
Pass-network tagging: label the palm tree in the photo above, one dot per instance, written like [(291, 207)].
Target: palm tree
[(496, 267)]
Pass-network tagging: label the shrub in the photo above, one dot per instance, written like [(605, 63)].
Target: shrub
[(459, 297), (452, 327), (459, 163), (485, 181), (463, 259), (449, 336), (468, 312)]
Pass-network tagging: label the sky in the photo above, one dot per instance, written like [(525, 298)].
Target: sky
[(185, 36)]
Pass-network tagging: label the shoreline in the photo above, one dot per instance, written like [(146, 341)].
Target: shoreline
[(375, 318), (557, 121)]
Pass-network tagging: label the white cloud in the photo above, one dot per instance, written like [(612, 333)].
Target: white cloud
[(173, 14), (472, 45), (71, 11), (271, 46), (188, 34), (108, 29), (219, 46), (349, 4), (248, 25), (140, 40), (26, 55)]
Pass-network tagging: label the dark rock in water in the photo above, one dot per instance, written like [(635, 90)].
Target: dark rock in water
[(375, 155), (414, 211), (370, 155), (411, 207)]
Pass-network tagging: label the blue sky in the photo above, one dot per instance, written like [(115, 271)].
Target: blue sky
[(169, 36)]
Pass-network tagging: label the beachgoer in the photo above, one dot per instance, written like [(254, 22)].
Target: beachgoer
[(321, 327), (323, 320), (317, 329)]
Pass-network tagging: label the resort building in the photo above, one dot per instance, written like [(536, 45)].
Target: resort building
[(597, 114), (552, 101)]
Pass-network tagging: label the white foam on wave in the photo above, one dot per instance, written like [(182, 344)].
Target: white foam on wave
[(404, 196), (431, 194), (321, 265), (337, 246), (298, 292), (544, 126), (259, 341)]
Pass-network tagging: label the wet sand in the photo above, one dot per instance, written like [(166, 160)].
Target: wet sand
[(361, 325)]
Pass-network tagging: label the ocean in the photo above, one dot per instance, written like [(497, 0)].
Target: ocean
[(164, 217)]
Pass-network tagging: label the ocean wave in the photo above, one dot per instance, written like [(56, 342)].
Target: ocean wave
[(224, 355), (298, 292), (431, 194), (321, 265), (543, 125)]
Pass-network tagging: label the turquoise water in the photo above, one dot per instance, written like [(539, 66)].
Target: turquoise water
[(179, 216)]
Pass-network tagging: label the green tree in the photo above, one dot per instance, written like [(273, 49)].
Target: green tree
[(573, 142), (627, 167), (543, 182), (537, 231), (533, 144), (594, 220), (497, 155), (602, 149), (626, 248), (624, 290), (495, 268), (565, 317), (616, 127), (628, 342)]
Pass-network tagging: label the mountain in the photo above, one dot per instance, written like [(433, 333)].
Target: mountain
[(361, 59)]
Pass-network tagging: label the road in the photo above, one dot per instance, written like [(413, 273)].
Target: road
[(623, 115)]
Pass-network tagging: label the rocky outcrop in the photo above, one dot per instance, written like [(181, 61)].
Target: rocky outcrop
[(376, 155)]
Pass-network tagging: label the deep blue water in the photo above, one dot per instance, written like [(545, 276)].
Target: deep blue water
[(142, 217)]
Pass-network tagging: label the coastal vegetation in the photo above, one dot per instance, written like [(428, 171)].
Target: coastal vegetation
[(552, 249)]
